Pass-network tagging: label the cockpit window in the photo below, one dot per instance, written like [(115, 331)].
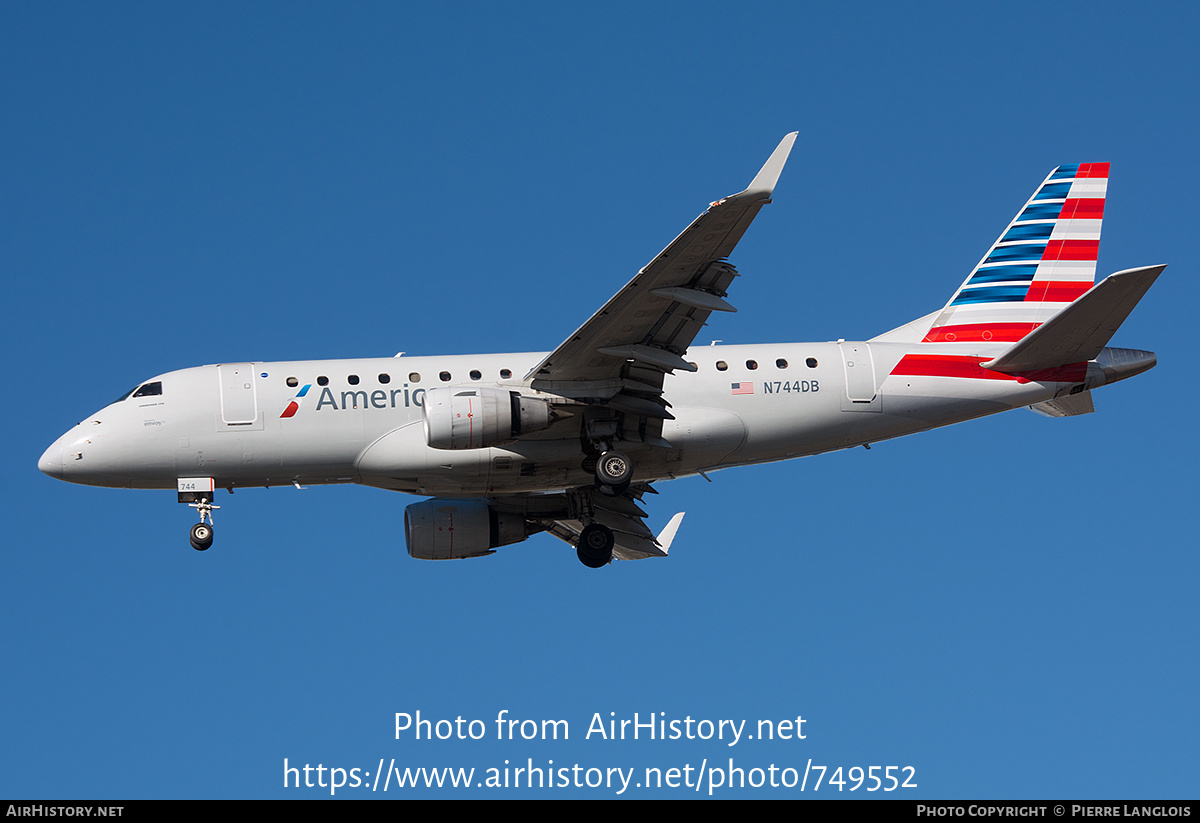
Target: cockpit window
[(125, 396), (149, 389)]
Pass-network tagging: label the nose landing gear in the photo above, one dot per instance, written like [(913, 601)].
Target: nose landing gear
[(198, 492), (201, 536)]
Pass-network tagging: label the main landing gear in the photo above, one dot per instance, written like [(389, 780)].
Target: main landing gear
[(614, 473), (595, 546), (201, 535)]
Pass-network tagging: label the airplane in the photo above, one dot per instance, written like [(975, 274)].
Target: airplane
[(570, 442)]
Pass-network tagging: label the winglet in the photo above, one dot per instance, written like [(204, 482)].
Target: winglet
[(668, 533), (763, 184)]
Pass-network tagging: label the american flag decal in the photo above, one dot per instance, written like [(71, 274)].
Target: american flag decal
[(741, 388)]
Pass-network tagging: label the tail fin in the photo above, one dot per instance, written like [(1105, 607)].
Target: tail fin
[(1041, 263)]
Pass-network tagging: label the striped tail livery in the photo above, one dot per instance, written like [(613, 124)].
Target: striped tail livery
[(1045, 259)]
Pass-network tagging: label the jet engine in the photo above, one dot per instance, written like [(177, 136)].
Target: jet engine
[(459, 417), (442, 529)]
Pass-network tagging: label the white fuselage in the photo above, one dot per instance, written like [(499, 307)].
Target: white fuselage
[(360, 421)]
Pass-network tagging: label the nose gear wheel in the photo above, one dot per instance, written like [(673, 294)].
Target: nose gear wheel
[(201, 536)]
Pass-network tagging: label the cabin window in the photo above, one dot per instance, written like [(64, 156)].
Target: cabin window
[(414, 377), (149, 390), (476, 374), (811, 362), (722, 365), (352, 380), (385, 378), (505, 374), (292, 382), (781, 363), (752, 364), (322, 381), (444, 377)]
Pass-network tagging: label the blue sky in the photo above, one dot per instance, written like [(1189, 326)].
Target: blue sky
[(1007, 606)]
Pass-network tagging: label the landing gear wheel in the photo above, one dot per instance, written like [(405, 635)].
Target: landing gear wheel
[(595, 546), (614, 470), (201, 536), (202, 533)]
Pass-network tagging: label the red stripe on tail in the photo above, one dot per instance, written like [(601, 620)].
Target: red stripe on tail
[(976, 332)]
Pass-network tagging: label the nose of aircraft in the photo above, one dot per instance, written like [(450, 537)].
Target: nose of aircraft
[(51, 460)]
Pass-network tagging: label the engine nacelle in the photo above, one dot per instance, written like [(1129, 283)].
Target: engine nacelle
[(443, 529), (461, 417)]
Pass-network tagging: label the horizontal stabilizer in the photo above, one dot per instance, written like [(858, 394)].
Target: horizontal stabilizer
[(1067, 406), (1079, 332)]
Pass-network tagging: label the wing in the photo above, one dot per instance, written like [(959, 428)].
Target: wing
[(632, 540), (619, 356), (564, 515), (617, 361)]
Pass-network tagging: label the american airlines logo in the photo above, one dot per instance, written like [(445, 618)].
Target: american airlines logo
[(294, 406)]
